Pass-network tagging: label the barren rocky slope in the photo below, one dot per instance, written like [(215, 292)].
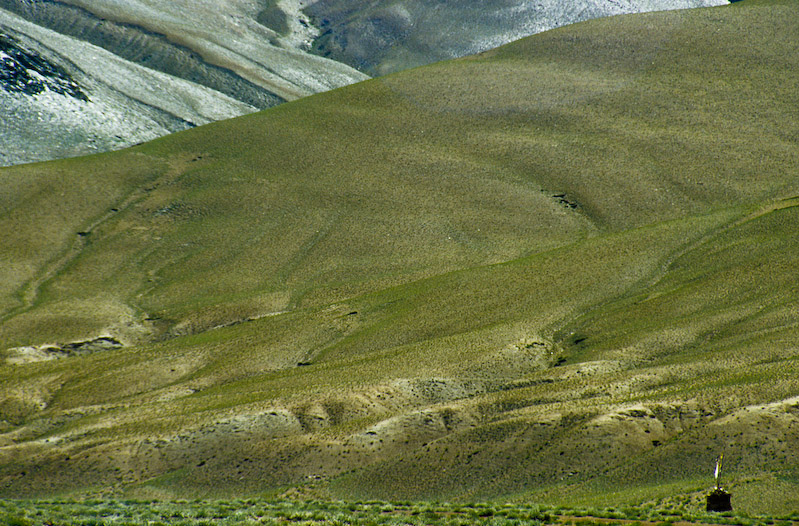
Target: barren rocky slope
[(387, 36), (65, 103)]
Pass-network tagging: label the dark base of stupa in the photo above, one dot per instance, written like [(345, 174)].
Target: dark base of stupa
[(719, 500)]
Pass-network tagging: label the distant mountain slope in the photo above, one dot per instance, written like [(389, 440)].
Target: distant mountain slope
[(156, 67), (220, 44), (387, 36), (64, 103), (560, 271), (144, 70)]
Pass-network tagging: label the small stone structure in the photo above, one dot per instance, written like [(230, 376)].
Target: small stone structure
[(718, 499)]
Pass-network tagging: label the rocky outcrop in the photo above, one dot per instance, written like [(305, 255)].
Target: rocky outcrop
[(26, 71), (54, 351)]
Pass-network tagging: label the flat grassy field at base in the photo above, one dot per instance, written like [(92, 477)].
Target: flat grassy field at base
[(256, 511)]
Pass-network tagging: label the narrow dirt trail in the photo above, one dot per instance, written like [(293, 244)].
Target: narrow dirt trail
[(29, 292)]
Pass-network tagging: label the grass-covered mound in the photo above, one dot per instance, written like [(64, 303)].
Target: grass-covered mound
[(560, 270)]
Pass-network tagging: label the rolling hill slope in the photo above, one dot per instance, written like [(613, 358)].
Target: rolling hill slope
[(562, 270)]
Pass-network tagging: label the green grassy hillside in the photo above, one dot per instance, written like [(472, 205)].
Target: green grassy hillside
[(560, 271)]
